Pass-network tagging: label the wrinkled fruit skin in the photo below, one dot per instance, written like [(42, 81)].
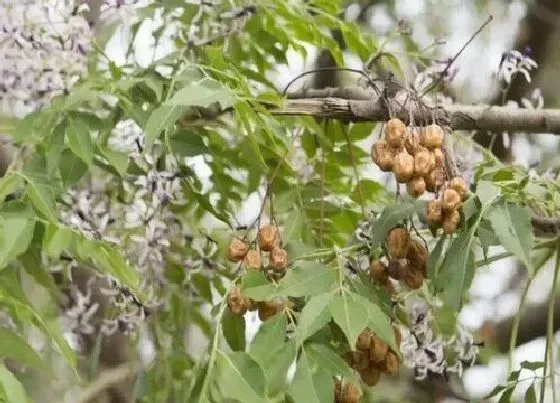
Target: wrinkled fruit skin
[(416, 187), (398, 241), (378, 350), (350, 393), (267, 238), (236, 302), (383, 156), (439, 157), (412, 141), (371, 376), (396, 268), (424, 163), (378, 271), (432, 136), (364, 340), (391, 363), (253, 260), (458, 184), (451, 222), (413, 278), (435, 180), (450, 200), (403, 167), (267, 309), (237, 250), (434, 213), (278, 260), (417, 256), (395, 132)]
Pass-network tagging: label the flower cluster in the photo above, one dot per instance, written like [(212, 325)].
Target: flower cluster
[(514, 62), (429, 353)]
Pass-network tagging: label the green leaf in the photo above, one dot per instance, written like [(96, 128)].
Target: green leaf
[(56, 239), (378, 321), (506, 396), (116, 159), (302, 388), (307, 279), (530, 395), (314, 316), (80, 141), (15, 236), (160, 119), (15, 347), (12, 387), (532, 365), (351, 316), (389, 218), (233, 328), (42, 197), (202, 93), (257, 286), (71, 167), (435, 259), (271, 333), (187, 143), (496, 391), (326, 358), (239, 377), (512, 225), (8, 185)]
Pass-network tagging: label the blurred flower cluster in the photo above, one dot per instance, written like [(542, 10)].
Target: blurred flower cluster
[(513, 63)]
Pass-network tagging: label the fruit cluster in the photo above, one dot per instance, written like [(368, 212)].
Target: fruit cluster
[(414, 156), (406, 258), (445, 212), (373, 357), (239, 304), (346, 391), (267, 241)]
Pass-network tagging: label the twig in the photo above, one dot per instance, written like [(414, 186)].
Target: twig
[(442, 75)]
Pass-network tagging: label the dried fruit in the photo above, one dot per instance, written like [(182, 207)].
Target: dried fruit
[(435, 180), (267, 238), (413, 278), (364, 339), (432, 136), (417, 255), (439, 158), (278, 259), (378, 271), (396, 268), (236, 302), (378, 350), (416, 187), (383, 156), (424, 162), (360, 360), (268, 309), (412, 141), (434, 213), (237, 250), (350, 392), (458, 184), (391, 363), (451, 222), (450, 200), (370, 376), (398, 241), (395, 132), (253, 260), (403, 167)]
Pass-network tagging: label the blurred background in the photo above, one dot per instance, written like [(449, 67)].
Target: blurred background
[(437, 29)]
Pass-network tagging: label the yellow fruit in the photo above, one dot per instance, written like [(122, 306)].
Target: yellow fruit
[(267, 238), (395, 132), (434, 213), (439, 157), (383, 156), (237, 250), (412, 141), (403, 167), (253, 260), (450, 200), (424, 163), (458, 184), (278, 259), (434, 180), (432, 136), (398, 241), (416, 186)]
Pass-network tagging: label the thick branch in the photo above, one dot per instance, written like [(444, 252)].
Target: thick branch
[(459, 117)]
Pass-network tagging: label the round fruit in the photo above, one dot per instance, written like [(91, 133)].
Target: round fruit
[(417, 256), (434, 213), (403, 167), (395, 132), (450, 200), (360, 360), (413, 278), (391, 363), (383, 156), (416, 187), (458, 184), (435, 180), (396, 268), (370, 376), (364, 340), (412, 141), (378, 350), (267, 237), (350, 393), (398, 241), (237, 250), (253, 260), (236, 302), (378, 271), (278, 259), (439, 158), (432, 136), (268, 309), (424, 163), (451, 222)]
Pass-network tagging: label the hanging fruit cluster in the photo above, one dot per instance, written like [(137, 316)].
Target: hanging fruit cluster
[(373, 357), (275, 263), (415, 157), (406, 259), (445, 212), (346, 391)]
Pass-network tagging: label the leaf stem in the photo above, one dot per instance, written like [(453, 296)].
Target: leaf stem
[(515, 325)]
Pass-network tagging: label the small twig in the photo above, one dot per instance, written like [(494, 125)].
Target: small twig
[(442, 75)]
